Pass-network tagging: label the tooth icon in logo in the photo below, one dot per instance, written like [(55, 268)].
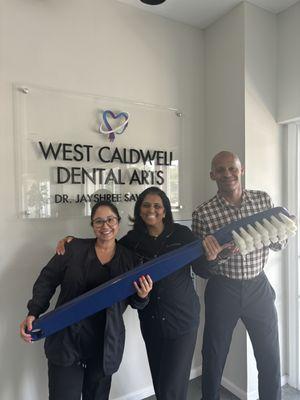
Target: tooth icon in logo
[(113, 123)]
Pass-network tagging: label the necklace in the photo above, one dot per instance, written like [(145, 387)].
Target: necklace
[(155, 235)]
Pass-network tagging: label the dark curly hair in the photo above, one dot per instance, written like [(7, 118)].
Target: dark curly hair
[(138, 223), (106, 204)]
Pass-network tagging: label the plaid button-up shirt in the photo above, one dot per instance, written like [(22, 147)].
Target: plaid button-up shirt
[(217, 212)]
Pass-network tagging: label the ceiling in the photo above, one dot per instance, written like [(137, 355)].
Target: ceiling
[(201, 13)]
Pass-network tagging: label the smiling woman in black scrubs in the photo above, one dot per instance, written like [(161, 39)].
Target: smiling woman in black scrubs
[(82, 357), (170, 322)]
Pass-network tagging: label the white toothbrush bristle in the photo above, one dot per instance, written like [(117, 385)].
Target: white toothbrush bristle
[(281, 228), (240, 243), (271, 230), (264, 234), (291, 227), (259, 234), (248, 240), (257, 238)]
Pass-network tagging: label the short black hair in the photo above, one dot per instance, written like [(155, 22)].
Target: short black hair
[(105, 203), (168, 219)]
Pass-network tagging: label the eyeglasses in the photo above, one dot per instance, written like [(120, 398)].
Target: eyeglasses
[(156, 206), (111, 221)]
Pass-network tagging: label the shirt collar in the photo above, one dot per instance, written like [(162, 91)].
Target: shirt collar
[(224, 203)]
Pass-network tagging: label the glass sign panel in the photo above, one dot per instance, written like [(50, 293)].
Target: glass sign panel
[(75, 149)]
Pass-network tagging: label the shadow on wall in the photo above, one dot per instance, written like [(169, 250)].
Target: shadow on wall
[(23, 368)]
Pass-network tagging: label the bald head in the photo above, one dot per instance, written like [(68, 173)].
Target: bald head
[(222, 155)]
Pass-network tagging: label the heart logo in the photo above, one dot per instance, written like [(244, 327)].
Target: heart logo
[(113, 123)]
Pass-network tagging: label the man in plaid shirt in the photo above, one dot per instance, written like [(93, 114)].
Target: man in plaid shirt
[(238, 287)]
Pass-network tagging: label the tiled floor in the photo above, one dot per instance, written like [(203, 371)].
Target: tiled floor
[(194, 393)]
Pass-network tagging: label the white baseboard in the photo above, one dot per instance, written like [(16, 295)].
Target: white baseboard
[(138, 395), (195, 372), (148, 391), (241, 394), (284, 380)]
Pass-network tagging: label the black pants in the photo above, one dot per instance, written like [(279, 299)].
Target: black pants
[(68, 383), (227, 300), (170, 362)]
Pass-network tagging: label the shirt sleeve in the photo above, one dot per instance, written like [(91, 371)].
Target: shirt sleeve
[(201, 265), (134, 300), (200, 230), (44, 287), (198, 227), (137, 302)]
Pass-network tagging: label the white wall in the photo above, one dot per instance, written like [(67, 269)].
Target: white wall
[(289, 64), (225, 129), (105, 48), (224, 87), (263, 162)]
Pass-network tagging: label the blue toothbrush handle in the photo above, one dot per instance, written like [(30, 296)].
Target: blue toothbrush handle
[(122, 287)]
